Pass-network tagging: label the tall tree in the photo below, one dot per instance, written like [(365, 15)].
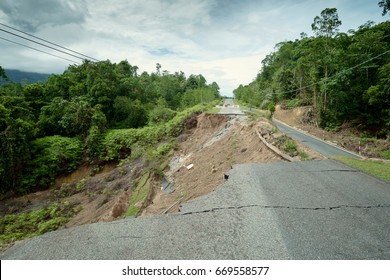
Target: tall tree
[(327, 24), (385, 4)]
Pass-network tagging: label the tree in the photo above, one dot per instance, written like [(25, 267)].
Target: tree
[(161, 113), (326, 25), (343, 75), (215, 87), (158, 69), (271, 108), (129, 113), (69, 118), (16, 130), (385, 4), (378, 99), (2, 74)]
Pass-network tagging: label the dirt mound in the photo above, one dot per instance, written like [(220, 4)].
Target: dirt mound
[(217, 143), (295, 117)]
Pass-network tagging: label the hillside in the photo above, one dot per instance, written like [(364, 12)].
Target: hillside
[(18, 76), (343, 76)]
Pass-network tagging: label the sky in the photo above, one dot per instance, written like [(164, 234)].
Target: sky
[(224, 40)]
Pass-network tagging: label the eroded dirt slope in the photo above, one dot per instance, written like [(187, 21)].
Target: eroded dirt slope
[(212, 144), (213, 147)]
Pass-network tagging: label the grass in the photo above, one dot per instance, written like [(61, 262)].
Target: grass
[(289, 146), (254, 114), (213, 110), (139, 194), (376, 168), (24, 225), (385, 154), (303, 155)]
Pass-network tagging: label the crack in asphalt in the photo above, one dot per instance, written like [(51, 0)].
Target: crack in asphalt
[(336, 170), (285, 207), (137, 237)]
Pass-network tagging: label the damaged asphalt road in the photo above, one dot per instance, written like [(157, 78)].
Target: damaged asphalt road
[(298, 210)]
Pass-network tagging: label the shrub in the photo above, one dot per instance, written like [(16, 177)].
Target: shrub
[(52, 156), (271, 108), (28, 224), (289, 146), (160, 115), (118, 143)]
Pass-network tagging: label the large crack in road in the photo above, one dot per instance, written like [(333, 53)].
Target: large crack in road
[(289, 208), (297, 210)]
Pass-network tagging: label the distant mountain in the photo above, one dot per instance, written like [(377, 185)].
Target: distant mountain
[(25, 77)]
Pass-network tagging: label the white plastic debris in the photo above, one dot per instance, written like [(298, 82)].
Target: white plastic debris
[(190, 166)]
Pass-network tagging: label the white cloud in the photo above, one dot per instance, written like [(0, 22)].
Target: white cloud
[(224, 40), (33, 15)]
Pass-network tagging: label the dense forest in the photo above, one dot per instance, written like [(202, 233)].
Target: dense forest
[(94, 112), (344, 76)]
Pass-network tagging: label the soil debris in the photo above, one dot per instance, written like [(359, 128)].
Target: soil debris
[(213, 147)]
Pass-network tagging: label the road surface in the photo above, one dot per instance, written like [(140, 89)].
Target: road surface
[(230, 109), (297, 210), (322, 147)]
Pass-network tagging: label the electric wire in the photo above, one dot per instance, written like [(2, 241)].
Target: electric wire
[(38, 50), (9, 32), (46, 41)]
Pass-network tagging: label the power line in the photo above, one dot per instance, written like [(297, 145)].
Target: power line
[(337, 74), (9, 32), (37, 50), (46, 41)]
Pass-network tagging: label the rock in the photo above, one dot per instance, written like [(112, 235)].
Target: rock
[(118, 210), (294, 154), (182, 138)]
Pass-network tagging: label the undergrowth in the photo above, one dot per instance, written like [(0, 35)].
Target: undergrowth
[(120, 143), (139, 195), (32, 223), (52, 156)]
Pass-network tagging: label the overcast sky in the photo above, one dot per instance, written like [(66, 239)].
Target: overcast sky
[(224, 40)]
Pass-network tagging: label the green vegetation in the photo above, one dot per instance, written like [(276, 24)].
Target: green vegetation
[(376, 168), (120, 143), (344, 76), (385, 154), (28, 224), (139, 195), (303, 155), (289, 146), (53, 155), (255, 114), (92, 113), (271, 108)]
